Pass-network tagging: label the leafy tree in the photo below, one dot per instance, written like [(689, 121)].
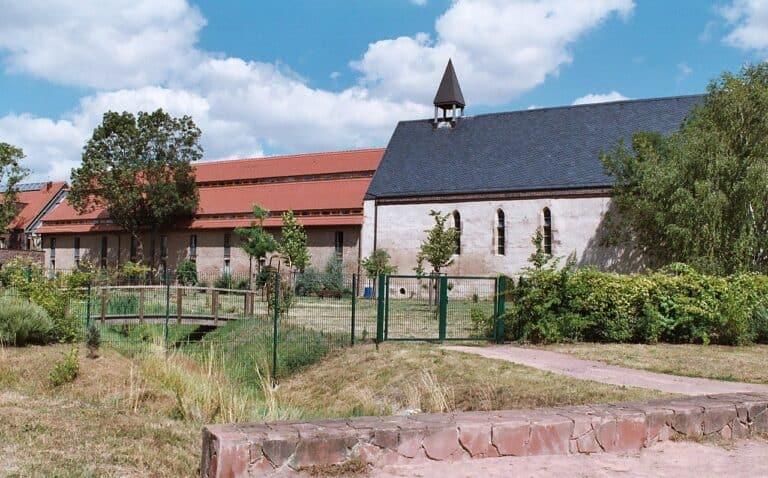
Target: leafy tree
[(11, 173), (376, 264), (539, 258), (293, 244), (440, 245), (139, 168), (186, 273), (700, 196), (255, 240)]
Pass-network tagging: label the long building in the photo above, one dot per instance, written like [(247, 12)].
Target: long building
[(324, 190)]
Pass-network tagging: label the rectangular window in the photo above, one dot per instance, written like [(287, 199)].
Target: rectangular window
[(193, 246), (77, 251), (227, 268), (132, 251), (227, 245), (338, 243), (104, 243), (163, 247), (53, 247)]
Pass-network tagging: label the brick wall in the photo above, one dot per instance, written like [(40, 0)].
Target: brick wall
[(6, 255)]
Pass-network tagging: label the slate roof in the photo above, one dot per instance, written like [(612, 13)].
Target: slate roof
[(540, 149), (449, 92)]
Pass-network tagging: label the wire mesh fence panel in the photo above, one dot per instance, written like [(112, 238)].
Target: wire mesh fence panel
[(411, 308), (470, 308)]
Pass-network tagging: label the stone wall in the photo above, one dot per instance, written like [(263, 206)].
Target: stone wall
[(7, 255), (577, 226), (259, 449), (210, 249)]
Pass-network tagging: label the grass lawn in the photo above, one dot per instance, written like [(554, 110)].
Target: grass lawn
[(720, 362), (363, 381)]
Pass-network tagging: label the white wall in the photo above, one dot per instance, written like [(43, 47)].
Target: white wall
[(575, 228)]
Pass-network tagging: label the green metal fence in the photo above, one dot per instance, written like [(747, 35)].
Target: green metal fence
[(439, 307), (288, 323)]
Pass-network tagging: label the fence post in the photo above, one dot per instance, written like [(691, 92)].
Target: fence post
[(103, 304), (442, 308), (276, 315), (142, 293), (500, 308), (380, 310), (167, 308), (215, 307), (354, 303), (179, 303), (88, 308), (386, 308)]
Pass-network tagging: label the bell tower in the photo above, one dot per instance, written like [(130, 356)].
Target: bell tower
[(448, 98)]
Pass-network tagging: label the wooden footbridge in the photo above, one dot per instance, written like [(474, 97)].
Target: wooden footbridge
[(203, 306)]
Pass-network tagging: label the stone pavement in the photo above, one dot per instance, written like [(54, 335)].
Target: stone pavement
[(260, 449), (600, 372), (741, 459)]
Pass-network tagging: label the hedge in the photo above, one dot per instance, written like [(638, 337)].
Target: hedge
[(675, 305)]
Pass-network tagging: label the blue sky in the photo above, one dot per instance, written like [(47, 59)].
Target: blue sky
[(263, 78)]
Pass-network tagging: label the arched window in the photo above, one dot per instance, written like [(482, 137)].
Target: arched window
[(500, 233), (457, 226), (547, 239)]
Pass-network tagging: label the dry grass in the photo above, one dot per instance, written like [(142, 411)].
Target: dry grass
[(363, 381), (740, 364), (105, 423)]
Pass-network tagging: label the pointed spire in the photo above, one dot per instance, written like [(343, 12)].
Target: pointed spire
[(449, 93)]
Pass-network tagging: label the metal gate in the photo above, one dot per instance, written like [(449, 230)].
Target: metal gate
[(439, 307)]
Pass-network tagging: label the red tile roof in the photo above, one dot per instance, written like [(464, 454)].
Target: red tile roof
[(34, 202), (318, 201), (286, 166)]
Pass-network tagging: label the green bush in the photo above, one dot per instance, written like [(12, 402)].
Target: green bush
[(23, 323), (186, 273), (309, 282), (333, 276), (224, 281), (29, 283), (675, 305), (241, 284), (134, 273), (66, 369)]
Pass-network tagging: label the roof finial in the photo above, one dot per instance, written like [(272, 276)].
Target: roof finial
[(449, 96)]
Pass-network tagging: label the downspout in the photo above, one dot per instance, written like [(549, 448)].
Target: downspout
[(375, 222)]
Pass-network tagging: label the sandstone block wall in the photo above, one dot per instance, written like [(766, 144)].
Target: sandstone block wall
[(262, 449)]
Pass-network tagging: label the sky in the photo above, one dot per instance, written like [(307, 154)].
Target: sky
[(294, 76)]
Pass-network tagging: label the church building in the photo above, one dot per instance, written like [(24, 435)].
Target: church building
[(503, 176)]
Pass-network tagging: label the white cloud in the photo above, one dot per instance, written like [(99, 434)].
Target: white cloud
[(420, 3), (599, 98), (142, 55), (500, 48), (683, 71), (100, 43), (749, 19)]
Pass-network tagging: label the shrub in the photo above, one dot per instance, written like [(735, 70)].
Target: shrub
[(241, 284), (676, 305), (134, 272), (186, 273), (309, 282), (224, 281), (23, 323), (93, 341), (66, 369), (333, 277)]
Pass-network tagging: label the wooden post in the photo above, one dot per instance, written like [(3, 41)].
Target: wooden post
[(142, 292), (179, 303), (246, 300), (215, 307), (103, 304)]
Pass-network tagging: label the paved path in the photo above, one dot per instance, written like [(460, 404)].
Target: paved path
[(744, 459), (601, 372)]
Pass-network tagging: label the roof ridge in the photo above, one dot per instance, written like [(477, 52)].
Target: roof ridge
[(562, 107), (298, 155)]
